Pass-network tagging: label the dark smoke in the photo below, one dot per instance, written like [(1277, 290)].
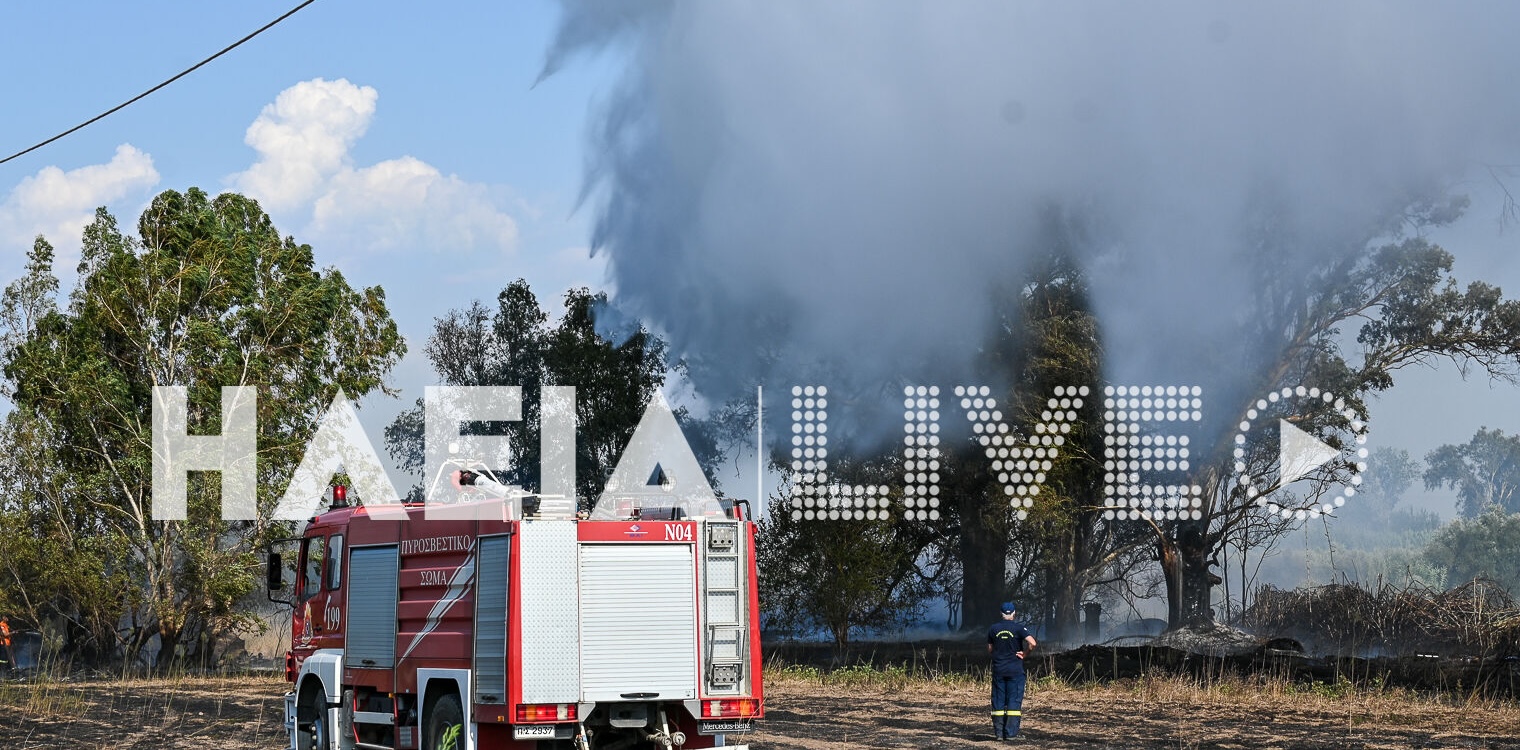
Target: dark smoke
[(841, 186)]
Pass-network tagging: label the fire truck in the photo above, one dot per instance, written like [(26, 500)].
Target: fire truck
[(522, 624)]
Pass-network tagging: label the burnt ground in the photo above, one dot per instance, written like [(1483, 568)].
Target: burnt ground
[(806, 713)]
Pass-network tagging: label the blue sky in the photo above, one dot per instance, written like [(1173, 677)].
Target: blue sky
[(393, 101), (394, 96), (409, 146)]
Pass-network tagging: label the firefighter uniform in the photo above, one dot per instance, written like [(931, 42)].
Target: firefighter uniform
[(5, 640), (1005, 640)]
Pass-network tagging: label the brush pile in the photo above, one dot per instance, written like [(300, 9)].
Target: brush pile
[(1477, 619)]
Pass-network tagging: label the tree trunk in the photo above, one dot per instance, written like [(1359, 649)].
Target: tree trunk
[(1189, 582), (1198, 581), (168, 643), (1066, 624), (1171, 572), (1068, 586), (984, 560)]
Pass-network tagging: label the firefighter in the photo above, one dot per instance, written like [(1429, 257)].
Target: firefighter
[(5, 640), (1008, 642)]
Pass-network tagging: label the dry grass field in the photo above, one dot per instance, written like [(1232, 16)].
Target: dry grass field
[(216, 713), (850, 708), (807, 710)]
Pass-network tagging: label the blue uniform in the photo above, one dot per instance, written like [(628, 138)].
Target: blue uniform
[(1007, 639)]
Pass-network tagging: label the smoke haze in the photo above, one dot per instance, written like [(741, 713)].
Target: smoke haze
[(787, 187)]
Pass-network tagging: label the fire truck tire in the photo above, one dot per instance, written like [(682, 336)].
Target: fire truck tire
[(445, 724), (312, 731)]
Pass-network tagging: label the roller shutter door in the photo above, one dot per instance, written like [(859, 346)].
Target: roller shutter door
[(491, 620), (638, 622), (371, 639)]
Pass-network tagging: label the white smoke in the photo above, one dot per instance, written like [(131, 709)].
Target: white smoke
[(847, 183)]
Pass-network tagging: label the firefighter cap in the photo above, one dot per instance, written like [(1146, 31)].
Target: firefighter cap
[(1008, 608)]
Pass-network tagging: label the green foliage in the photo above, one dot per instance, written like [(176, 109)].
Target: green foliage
[(516, 345), (1399, 560), (1374, 537), (207, 294), (1389, 282), (839, 576), (1070, 547), (1487, 546), (1485, 472), (1390, 473), (870, 677), (1342, 688), (1050, 682), (1398, 288), (1055, 551)]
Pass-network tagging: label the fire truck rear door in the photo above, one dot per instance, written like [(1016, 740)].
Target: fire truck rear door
[(638, 621)]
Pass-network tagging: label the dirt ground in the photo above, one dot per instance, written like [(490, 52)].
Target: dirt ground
[(804, 714), (206, 713), (807, 715)]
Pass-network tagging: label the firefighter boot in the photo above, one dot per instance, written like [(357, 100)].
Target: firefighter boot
[(1011, 724), (998, 725)]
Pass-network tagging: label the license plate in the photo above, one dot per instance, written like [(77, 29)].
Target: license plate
[(724, 727), (533, 732)]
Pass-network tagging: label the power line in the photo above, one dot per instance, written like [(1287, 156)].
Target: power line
[(178, 76)]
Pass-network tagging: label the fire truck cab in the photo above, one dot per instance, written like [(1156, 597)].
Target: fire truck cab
[(496, 628)]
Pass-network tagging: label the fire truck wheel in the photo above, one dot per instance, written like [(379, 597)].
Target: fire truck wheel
[(319, 733), (312, 731), (445, 726), (315, 736)]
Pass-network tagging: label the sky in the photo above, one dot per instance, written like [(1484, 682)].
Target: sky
[(730, 150), (408, 145)]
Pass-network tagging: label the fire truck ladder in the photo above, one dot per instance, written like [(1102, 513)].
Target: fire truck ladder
[(724, 606)]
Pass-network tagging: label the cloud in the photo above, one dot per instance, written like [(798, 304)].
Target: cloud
[(403, 204), (303, 140), (305, 174), (59, 204)]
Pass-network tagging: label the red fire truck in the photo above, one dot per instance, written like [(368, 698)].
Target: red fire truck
[(517, 626)]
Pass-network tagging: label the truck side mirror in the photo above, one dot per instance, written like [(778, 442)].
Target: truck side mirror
[(275, 575)]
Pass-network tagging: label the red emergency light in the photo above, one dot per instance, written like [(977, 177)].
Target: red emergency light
[(741, 708)]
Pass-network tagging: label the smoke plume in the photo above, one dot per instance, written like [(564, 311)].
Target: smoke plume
[(842, 186)]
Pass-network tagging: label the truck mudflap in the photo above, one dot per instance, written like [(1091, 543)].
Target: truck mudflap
[(290, 718)]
